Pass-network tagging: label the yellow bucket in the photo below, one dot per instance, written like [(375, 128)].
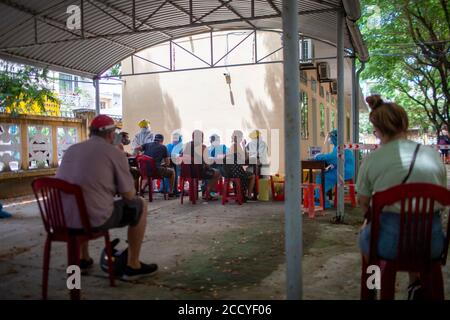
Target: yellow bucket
[(263, 189)]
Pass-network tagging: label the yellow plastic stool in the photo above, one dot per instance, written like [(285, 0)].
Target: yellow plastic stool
[(263, 187)]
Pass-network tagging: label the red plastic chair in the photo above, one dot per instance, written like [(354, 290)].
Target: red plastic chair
[(48, 195), (147, 168), (190, 173), (414, 239), (237, 190), (308, 199), (350, 197)]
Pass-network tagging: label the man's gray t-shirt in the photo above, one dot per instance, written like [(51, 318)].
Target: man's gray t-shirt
[(102, 171)]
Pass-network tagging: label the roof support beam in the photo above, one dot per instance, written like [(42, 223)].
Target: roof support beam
[(175, 27), (229, 7), (192, 17), (274, 7), (108, 14), (237, 45), (152, 14), (213, 10), (133, 16), (59, 25), (14, 27)]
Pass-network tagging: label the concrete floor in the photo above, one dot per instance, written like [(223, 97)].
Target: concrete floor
[(204, 251)]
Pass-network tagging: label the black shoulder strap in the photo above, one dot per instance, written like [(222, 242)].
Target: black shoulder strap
[(257, 150), (412, 163)]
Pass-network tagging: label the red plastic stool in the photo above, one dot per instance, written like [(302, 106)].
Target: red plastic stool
[(190, 173), (237, 193), (219, 185), (193, 189), (350, 197), (308, 199)]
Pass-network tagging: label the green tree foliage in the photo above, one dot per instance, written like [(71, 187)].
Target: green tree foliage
[(409, 44), (116, 70), (23, 84)]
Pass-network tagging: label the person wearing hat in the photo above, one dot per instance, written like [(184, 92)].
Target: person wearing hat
[(332, 161), (257, 152), (145, 135), (102, 172), (158, 151)]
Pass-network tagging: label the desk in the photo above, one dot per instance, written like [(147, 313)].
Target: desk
[(315, 165)]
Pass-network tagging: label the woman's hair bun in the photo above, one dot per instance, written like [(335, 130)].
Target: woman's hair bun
[(374, 101)]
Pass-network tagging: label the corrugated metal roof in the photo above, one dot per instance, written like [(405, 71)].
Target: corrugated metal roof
[(35, 31)]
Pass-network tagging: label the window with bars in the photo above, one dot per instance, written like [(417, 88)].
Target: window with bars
[(322, 120), (65, 83), (313, 85), (304, 132)]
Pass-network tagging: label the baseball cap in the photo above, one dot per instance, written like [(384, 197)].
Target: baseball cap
[(102, 123), (158, 137)]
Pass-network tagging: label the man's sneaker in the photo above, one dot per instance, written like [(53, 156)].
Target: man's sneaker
[(86, 265), (415, 291), (134, 274)]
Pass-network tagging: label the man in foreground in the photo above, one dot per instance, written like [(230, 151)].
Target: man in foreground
[(102, 171)]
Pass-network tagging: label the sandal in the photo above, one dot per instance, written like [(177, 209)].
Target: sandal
[(209, 198)]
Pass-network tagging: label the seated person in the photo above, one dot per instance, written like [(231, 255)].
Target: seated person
[(160, 155), (216, 150), (122, 139), (102, 171), (257, 152), (392, 164), (332, 161), (145, 135), (216, 153), (195, 152), (235, 159), (175, 149)]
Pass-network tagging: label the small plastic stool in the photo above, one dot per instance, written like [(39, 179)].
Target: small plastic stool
[(350, 197), (308, 199), (237, 193)]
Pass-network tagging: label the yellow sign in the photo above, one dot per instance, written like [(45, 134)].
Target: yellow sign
[(50, 109)]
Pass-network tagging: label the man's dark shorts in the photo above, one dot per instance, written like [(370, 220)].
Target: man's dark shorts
[(125, 213)]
